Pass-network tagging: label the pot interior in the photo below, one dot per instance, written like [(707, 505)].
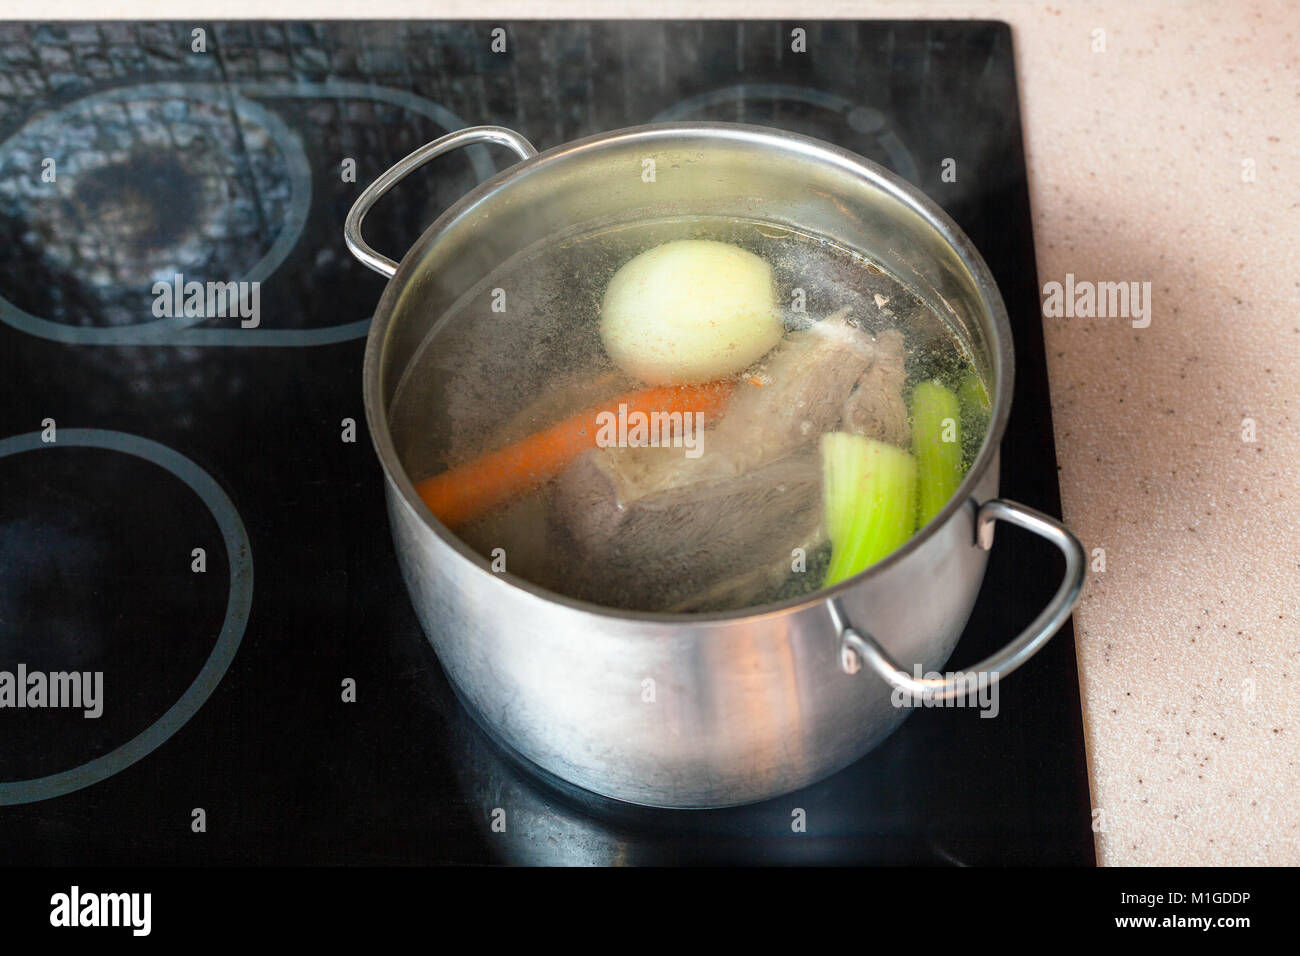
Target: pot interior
[(490, 328)]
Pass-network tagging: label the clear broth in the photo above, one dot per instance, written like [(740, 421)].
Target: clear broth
[(522, 350)]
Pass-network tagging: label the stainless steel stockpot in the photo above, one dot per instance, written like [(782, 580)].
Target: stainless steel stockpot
[(715, 709)]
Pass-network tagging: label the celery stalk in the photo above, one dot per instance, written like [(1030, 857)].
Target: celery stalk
[(869, 495), (936, 442)]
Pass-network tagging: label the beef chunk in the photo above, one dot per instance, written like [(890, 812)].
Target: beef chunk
[(661, 551), (650, 529), (876, 408)]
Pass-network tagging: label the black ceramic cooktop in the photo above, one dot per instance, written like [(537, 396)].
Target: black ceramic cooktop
[(185, 509)]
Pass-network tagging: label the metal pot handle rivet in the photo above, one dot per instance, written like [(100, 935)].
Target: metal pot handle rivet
[(857, 646), (468, 136)]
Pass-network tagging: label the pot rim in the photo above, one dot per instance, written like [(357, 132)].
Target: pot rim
[(874, 176)]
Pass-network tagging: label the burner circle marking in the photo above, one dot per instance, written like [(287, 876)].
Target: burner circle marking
[(160, 331), (240, 557), (168, 331)]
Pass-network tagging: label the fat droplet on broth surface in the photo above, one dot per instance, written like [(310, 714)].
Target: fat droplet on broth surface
[(482, 376)]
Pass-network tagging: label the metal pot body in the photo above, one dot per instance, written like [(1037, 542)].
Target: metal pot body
[(697, 710), (684, 713)]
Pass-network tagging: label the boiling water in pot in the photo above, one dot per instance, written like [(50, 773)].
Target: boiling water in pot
[(736, 432)]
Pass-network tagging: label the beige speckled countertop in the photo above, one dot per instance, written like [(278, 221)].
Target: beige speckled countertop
[(1138, 163)]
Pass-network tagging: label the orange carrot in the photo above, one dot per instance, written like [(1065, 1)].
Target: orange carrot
[(468, 491)]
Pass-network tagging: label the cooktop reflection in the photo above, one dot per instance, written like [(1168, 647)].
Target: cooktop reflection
[(192, 517)]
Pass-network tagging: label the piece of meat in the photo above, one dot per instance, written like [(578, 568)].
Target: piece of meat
[(876, 408), (791, 397), (650, 529), (803, 384), (669, 546)]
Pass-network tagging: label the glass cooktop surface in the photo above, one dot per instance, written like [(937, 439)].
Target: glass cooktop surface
[(190, 507)]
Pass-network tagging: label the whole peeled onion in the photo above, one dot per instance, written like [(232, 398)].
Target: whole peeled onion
[(693, 310)]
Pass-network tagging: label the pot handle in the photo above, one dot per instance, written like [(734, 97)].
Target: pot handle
[(858, 646), (399, 170)]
